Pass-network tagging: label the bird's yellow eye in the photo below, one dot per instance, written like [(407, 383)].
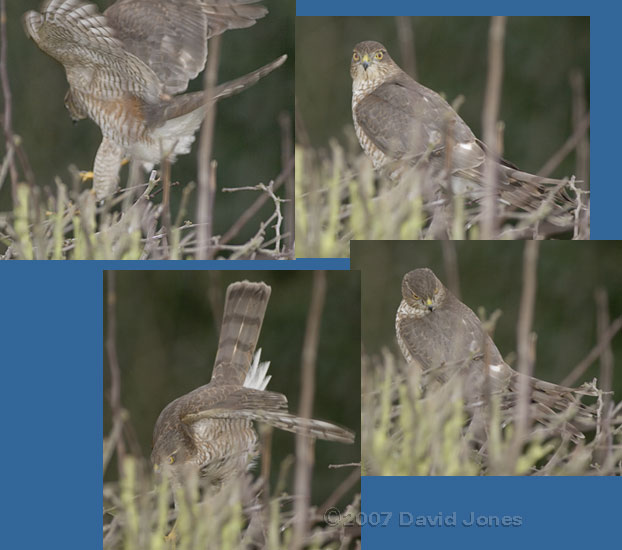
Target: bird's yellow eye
[(379, 55), (171, 459), (356, 56), (415, 296), (436, 290)]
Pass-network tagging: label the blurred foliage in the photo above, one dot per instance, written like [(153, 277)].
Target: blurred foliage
[(136, 517), (167, 334), (70, 225), (248, 135), (412, 426), (451, 58), (490, 276), (340, 198)]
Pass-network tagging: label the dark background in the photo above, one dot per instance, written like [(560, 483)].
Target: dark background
[(247, 133), (451, 58), (490, 275), (167, 340)]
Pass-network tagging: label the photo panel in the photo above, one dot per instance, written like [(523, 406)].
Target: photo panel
[(443, 325), (391, 123), (167, 334)]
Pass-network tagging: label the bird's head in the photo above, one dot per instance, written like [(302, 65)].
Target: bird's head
[(170, 446), (371, 62), (422, 290)]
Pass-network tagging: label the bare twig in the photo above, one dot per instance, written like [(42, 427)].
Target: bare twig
[(525, 348), (114, 396), (603, 341), (579, 108), (405, 36), (13, 145), (287, 153), (451, 267), (606, 376), (279, 217), (166, 202), (490, 115), (581, 228), (256, 206), (566, 148), (304, 445), (206, 144), (606, 355), (6, 92), (342, 489)]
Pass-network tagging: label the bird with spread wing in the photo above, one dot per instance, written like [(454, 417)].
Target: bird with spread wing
[(126, 66), (210, 429)]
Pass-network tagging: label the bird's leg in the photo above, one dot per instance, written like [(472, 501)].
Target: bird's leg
[(172, 536), (86, 175)]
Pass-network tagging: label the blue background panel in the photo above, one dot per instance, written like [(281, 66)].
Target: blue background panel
[(509, 512)]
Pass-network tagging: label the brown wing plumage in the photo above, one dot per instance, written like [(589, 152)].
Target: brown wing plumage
[(77, 35), (278, 419), (171, 37), (402, 118)]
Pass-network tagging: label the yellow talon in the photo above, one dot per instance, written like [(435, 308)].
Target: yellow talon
[(172, 536), (85, 176)]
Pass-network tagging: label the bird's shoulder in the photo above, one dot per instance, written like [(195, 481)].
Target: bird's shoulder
[(404, 99)]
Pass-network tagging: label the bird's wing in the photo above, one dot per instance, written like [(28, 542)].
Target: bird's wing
[(266, 407), (245, 307), (216, 402), (77, 35), (405, 120), (171, 37), (157, 114)]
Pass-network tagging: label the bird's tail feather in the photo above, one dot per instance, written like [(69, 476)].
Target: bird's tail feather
[(313, 428), (193, 103), (245, 307)]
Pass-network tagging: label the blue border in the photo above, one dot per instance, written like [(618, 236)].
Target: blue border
[(51, 326), (337, 264), (490, 512), (451, 7)]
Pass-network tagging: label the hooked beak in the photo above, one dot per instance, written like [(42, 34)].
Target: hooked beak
[(429, 304), (365, 61)]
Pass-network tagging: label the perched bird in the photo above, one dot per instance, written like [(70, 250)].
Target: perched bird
[(125, 67), (210, 431), (401, 124), (440, 335)]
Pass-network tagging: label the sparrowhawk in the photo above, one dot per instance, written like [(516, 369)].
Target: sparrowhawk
[(210, 430), (440, 335), (125, 66), (401, 124)]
